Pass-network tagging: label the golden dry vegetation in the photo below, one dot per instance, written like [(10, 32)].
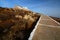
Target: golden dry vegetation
[(16, 24)]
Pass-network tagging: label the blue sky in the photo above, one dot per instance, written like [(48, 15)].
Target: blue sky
[(48, 7)]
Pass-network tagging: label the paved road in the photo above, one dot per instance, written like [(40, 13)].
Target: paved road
[(46, 29), (48, 21)]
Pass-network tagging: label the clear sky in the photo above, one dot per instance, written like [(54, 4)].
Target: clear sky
[(48, 7)]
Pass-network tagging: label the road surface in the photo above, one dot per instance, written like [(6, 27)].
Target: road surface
[(46, 29)]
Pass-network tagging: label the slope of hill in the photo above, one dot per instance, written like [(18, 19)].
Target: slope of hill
[(16, 24)]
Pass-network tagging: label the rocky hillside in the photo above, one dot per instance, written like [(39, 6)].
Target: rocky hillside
[(16, 23)]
